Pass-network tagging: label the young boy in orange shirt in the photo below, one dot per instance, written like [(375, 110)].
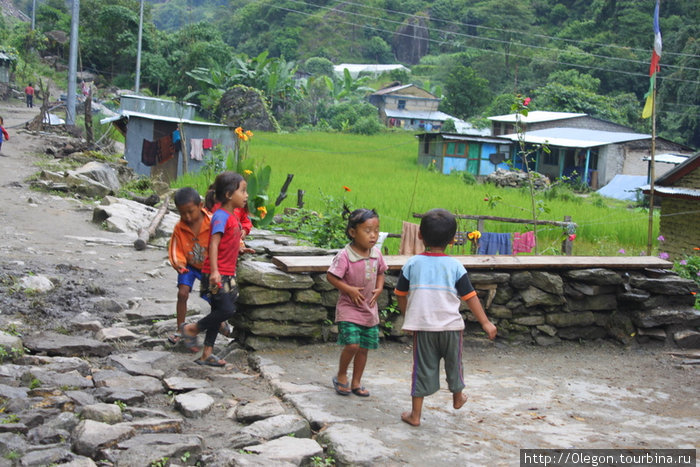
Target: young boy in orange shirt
[(188, 248)]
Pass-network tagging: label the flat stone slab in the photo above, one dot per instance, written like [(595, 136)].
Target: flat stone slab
[(183, 384), (354, 445), (141, 362), (157, 425), (258, 410), (70, 346), (148, 449), (91, 436), (288, 449), (194, 405), (115, 380), (115, 335)]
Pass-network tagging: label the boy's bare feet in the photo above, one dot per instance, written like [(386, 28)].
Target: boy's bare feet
[(407, 417), (458, 400)]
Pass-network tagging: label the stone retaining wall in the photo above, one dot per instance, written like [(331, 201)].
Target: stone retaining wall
[(538, 306)]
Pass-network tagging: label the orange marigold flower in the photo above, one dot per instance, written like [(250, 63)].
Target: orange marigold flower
[(263, 211), (249, 133), (346, 188)]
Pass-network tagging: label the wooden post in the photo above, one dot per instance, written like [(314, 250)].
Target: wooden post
[(183, 147), (88, 117), (300, 198), (567, 246), (283, 191), (146, 234)]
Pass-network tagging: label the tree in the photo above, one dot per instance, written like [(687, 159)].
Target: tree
[(466, 93), (318, 66), (379, 50)]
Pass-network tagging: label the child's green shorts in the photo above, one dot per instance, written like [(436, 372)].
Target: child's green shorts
[(351, 333)]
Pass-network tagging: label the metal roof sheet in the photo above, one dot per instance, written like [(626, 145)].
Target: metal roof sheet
[(128, 113), (668, 158), (418, 114), (576, 137), (673, 191), (478, 138), (536, 116)]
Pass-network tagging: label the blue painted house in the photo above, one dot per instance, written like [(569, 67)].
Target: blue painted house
[(478, 155)]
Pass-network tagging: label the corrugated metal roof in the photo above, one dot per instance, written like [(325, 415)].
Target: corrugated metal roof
[(536, 116), (418, 114), (576, 137), (668, 158), (391, 89), (676, 192), (128, 113), (477, 138)]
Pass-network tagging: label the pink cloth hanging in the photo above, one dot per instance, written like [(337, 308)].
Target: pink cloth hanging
[(523, 242)]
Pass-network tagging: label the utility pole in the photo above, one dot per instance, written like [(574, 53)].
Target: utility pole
[(137, 86), (72, 64), (33, 14)]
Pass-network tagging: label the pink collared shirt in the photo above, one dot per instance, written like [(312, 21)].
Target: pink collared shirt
[(357, 271)]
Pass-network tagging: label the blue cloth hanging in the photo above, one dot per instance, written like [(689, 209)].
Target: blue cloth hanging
[(492, 243)]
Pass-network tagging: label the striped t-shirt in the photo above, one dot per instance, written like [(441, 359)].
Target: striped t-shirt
[(434, 283)]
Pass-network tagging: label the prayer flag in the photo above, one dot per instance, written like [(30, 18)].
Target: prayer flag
[(654, 66)]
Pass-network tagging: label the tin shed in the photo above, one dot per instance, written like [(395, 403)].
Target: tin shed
[(140, 128)]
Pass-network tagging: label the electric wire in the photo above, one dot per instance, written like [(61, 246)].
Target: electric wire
[(496, 52)]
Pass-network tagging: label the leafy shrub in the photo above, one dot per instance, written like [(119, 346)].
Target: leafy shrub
[(324, 230), (689, 268), (367, 126)]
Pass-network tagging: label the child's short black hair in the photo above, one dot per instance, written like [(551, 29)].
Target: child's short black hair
[(186, 195), (359, 216), (438, 228)]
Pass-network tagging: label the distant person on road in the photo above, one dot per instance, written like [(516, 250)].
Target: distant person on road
[(428, 292), (4, 135), (29, 94), (218, 283), (357, 271)]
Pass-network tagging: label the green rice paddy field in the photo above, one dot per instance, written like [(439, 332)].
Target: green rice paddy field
[(381, 172)]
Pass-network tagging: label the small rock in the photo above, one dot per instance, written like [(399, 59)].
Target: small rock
[(194, 405)]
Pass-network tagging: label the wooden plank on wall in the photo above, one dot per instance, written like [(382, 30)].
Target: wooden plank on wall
[(492, 262)]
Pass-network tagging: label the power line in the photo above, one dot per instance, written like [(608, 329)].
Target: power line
[(500, 41), (490, 51), (477, 26)]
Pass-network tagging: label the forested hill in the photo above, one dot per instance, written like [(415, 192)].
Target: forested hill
[(570, 55), (512, 44)]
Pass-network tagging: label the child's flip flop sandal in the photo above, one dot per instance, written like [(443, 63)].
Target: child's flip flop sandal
[(361, 391), (340, 388), (211, 360), (190, 342)]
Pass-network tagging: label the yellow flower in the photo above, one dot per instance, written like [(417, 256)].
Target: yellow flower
[(263, 211), (249, 133), (244, 137), (247, 172), (474, 235)]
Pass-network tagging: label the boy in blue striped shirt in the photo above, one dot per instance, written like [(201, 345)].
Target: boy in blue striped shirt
[(428, 292)]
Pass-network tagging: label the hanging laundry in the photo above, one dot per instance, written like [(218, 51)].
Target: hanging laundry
[(176, 136), (196, 149), (523, 242), (166, 150), (207, 143), (149, 153), (492, 243), (410, 243)]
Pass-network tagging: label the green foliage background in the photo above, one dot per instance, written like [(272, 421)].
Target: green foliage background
[(569, 55)]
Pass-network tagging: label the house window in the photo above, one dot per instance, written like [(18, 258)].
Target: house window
[(456, 150), (402, 104), (551, 158)]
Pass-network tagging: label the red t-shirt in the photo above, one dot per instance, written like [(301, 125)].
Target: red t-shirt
[(228, 225), (29, 91)]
